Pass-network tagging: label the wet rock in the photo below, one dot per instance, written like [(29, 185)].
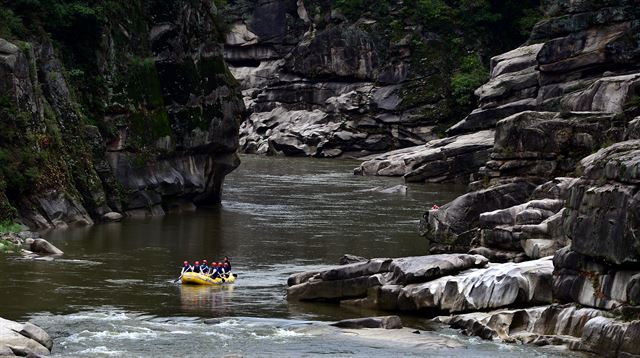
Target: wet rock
[(408, 270), (386, 322), (23, 339), (585, 280), (334, 290), (439, 160), (444, 225), (347, 259), (603, 209), (537, 325), (499, 285), (112, 216), (43, 246), (301, 277)]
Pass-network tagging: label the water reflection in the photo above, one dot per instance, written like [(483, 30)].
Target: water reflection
[(215, 299)]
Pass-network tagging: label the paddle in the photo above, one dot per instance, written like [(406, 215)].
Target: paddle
[(178, 279)]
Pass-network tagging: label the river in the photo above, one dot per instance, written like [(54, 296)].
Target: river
[(113, 293)]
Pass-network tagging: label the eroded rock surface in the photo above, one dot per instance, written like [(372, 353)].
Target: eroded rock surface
[(23, 339)]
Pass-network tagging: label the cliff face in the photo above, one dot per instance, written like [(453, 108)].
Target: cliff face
[(322, 78), (554, 205), (126, 108), (562, 174)]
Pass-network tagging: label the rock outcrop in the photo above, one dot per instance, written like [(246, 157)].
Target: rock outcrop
[(325, 79), (561, 180), (437, 283), (138, 117), (23, 339), (450, 159), (584, 329), (553, 102), (386, 322)]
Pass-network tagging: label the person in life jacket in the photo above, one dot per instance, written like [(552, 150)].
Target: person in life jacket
[(221, 270), (227, 263), (196, 266), (213, 271), (186, 268), (204, 268), (227, 269)]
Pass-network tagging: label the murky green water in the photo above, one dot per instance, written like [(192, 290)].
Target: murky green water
[(113, 293)]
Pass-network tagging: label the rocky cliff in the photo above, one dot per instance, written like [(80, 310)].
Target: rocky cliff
[(322, 78), (561, 176), (113, 108), (552, 151)]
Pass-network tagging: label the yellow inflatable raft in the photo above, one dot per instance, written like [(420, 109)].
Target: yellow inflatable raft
[(193, 278)]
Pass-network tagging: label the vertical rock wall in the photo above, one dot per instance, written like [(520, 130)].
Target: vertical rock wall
[(138, 114)]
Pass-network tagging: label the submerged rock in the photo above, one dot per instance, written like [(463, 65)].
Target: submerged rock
[(112, 216)]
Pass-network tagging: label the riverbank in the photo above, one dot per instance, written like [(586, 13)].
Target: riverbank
[(448, 286)]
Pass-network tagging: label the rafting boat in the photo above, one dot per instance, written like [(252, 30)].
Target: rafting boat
[(194, 278)]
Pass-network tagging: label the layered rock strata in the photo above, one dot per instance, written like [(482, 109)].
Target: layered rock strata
[(584, 329), (564, 110), (156, 130), (436, 283), (322, 82)]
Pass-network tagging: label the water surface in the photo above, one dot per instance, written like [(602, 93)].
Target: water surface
[(113, 292)]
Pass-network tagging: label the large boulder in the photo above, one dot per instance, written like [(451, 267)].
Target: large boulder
[(446, 224), (346, 282), (43, 246), (499, 285), (448, 159), (23, 339), (603, 211), (336, 290), (408, 270), (386, 322)]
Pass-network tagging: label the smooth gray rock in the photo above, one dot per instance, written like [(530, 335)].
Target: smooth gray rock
[(499, 285), (367, 268), (36, 333), (439, 160), (408, 270), (335, 290), (386, 322), (347, 259), (112, 216), (23, 339), (43, 246), (445, 224), (298, 278)]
